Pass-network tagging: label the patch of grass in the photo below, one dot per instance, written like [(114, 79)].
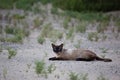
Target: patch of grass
[(88, 16), (104, 50), (37, 22), (18, 16), (101, 77), (49, 32), (54, 10), (5, 73), (102, 27), (51, 68), (18, 34), (84, 76), (70, 33), (66, 22), (11, 53), (73, 76), (93, 36), (81, 27), (41, 39), (117, 23), (40, 67)]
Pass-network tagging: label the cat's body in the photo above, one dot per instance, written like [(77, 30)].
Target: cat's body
[(78, 54)]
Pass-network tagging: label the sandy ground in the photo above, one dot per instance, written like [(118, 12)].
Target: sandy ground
[(31, 51)]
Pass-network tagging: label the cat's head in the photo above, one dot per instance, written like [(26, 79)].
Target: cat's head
[(57, 48)]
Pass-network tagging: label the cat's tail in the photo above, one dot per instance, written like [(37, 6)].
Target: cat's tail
[(103, 59)]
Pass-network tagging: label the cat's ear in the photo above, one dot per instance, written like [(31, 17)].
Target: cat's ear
[(61, 45), (53, 45)]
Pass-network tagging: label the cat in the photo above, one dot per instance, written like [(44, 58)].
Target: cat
[(77, 55)]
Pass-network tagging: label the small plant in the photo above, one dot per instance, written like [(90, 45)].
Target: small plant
[(104, 50), (101, 77), (11, 53), (102, 27), (54, 10), (93, 36), (51, 68), (37, 22), (70, 34), (73, 76), (40, 67), (5, 73), (81, 27), (66, 22), (18, 16), (41, 39), (84, 76)]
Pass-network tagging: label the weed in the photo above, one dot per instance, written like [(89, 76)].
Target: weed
[(81, 27), (51, 68), (37, 22), (40, 66), (104, 50), (93, 36), (11, 53), (54, 10), (70, 34), (50, 32), (18, 16), (5, 73), (118, 25), (28, 65), (73, 76), (41, 39), (66, 22), (42, 69), (102, 27), (84, 76), (101, 77)]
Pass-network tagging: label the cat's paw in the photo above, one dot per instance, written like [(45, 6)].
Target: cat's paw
[(53, 58)]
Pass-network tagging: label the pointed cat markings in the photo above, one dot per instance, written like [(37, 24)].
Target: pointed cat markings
[(78, 54)]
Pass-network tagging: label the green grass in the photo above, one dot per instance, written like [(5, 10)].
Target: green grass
[(5, 72), (40, 67), (37, 22), (104, 50), (18, 33), (102, 27), (66, 22), (18, 16), (11, 53), (54, 10), (81, 27), (93, 36), (41, 39), (51, 68), (49, 32), (73, 76), (70, 33), (102, 77), (117, 24)]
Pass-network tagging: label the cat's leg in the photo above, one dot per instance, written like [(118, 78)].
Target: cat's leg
[(83, 59), (55, 58)]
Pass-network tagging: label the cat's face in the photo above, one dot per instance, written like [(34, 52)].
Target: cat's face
[(57, 48)]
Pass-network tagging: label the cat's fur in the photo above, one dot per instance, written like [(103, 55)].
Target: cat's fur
[(78, 54)]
